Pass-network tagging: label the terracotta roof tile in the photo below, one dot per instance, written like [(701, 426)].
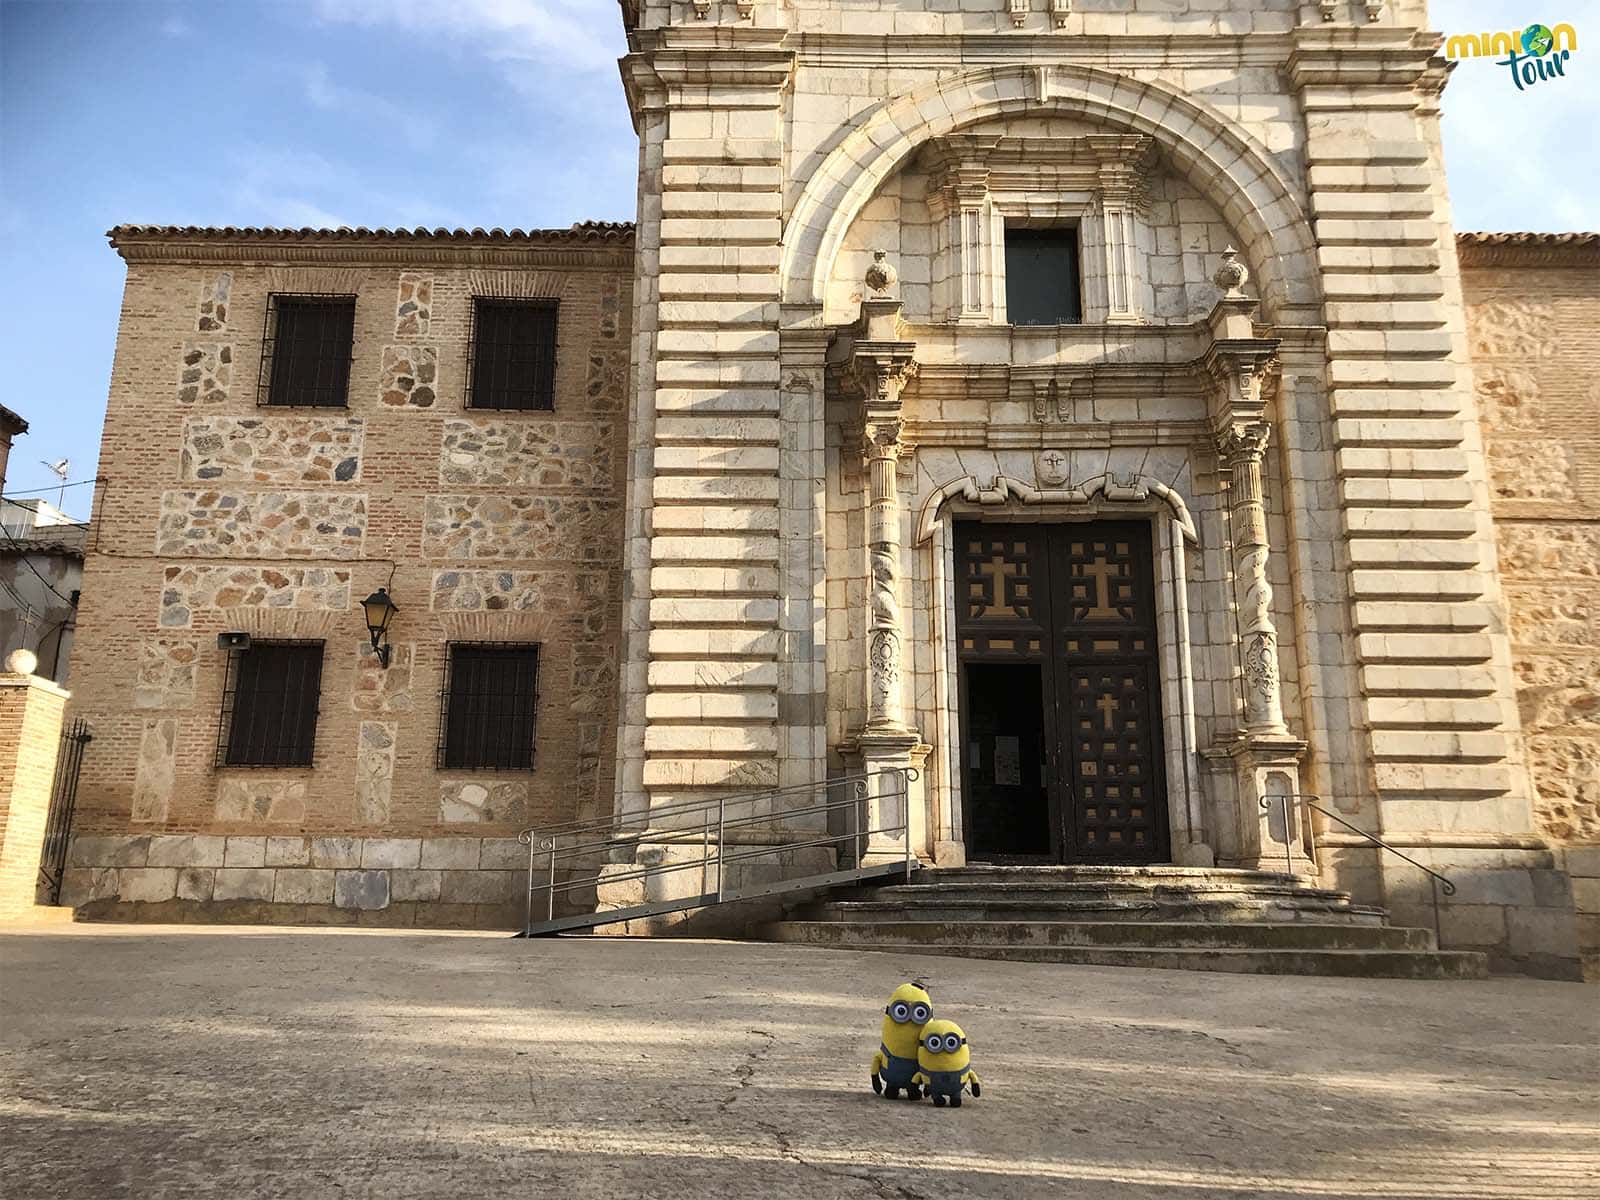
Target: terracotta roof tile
[(581, 231)]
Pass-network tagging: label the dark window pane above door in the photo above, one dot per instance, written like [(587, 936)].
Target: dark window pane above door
[(1042, 278)]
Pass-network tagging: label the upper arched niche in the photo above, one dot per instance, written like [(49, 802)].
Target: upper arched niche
[(1232, 171)]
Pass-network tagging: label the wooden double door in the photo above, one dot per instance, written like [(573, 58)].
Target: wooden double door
[(1060, 693)]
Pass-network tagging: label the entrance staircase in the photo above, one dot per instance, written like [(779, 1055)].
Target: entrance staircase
[(1251, 922)]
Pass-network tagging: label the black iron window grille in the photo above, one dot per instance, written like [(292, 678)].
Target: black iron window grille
[(511, 354), (489, 707), (269, 705), (1043, 284), (306, 346)]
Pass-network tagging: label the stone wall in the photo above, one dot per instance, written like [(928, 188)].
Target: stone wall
[(30, 731), (219, 515), (1533, 305)]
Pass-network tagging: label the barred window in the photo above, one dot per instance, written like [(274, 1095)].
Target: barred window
[(513, 354), (269, 705), (490, 699), (1042, 279), (306, 349)]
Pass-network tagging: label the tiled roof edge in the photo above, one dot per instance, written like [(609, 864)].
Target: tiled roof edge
[(581, 231)]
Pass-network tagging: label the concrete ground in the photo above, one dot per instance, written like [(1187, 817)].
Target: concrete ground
[(164, 1062)]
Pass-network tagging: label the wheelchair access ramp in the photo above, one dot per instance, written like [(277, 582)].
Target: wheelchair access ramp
[(722, 849)]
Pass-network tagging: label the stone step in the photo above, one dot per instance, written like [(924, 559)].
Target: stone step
[(978, 893), (987, 934), (1365, 964), (1233, 910), (1141, 876)]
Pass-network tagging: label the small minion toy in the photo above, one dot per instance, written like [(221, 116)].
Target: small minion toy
[(944, 1064), (900, 1039)]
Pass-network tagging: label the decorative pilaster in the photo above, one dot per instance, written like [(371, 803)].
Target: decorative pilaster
[(880, 366), (1241, 448), (960, 206), (1265, 757), (1124, 163)]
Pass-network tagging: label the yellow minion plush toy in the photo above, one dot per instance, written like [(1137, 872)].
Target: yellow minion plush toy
[(944, 1064), (900, 1038)]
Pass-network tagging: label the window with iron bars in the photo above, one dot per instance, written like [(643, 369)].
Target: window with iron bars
[(511, 355), (270, 695), (489, 706), (306, 348)]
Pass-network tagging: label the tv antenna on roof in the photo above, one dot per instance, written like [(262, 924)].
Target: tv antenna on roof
[(60, 467)]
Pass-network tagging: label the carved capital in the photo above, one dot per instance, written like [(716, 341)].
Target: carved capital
[(880, 371), (1243, 443)]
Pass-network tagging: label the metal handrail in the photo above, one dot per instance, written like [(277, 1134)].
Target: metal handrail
[(569, 843), (1435, 880)]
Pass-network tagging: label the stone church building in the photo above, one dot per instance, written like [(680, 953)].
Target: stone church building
[(1089, 405)]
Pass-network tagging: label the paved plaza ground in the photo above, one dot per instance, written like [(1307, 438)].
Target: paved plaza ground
[(163, 1062)]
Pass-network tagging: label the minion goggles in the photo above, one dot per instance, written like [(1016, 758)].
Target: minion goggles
[(900, 1012), (947, 1044)]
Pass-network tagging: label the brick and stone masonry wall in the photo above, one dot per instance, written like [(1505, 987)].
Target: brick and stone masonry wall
[(1532, 308), (216, 514)]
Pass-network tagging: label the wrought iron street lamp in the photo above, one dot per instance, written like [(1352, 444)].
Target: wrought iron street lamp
[(380, 611)]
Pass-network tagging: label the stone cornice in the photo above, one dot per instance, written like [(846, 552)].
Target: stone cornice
[(967, 50)]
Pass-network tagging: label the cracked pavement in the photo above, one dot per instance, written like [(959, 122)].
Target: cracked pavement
[(226, 1062)]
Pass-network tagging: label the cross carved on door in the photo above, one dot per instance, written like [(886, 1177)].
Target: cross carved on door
[(1108, 709), (996, 570), (1102, 606)]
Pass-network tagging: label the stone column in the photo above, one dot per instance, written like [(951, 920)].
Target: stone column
[(1265, 757), (1241, 448), (881, 365), (1124, 163)]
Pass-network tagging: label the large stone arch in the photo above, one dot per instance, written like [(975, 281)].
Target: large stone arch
[(1237, 173)]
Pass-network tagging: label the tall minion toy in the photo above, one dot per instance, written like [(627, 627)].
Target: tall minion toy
[(944, 1064), (895, 1062)]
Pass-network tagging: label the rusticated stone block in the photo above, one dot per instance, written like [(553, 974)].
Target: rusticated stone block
[(467, 801), (486, 452), (109, 850), (196, 883), (605, 385), (295, 886), (503, 854), (1546, 549), (287, 852), (212, 311), (245, 852), (415, 885), (1514, 329), (166, 673), (391, 852), (413, 312), (335, 852), (256, 799), (409, 377), (482, 887), (243, 883), (367, 890), (499, 591), (80, 885), (289, 449), (1509, 397), (1531, 469), (518, 526), (156, 770), (185, 850), (219, 524), (206, 373), (380, 689), (375, 775), (450, 853), (1566, 776), (149, 885), (1556, 690), (193, 589)]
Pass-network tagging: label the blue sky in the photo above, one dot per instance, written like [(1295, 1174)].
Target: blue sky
[(454, 112)]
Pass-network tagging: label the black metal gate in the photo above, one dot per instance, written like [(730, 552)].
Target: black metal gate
[(63, 799)]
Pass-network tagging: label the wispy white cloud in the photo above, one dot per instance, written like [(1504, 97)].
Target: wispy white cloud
[(571, 34), (327, 94)]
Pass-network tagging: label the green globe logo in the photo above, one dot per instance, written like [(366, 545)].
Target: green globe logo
[(1537, 39)]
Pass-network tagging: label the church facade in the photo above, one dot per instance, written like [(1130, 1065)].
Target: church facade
[(1074, 403)]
